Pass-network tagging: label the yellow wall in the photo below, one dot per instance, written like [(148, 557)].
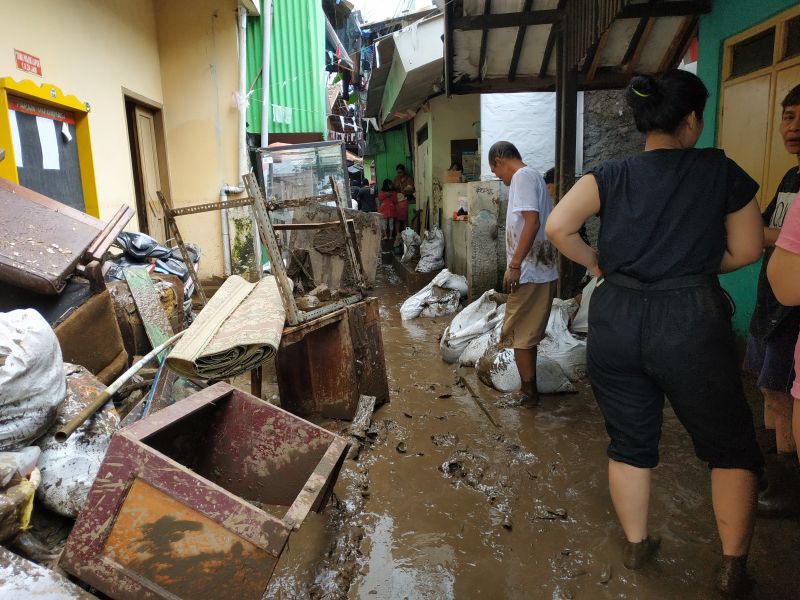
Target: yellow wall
[(199, 74), (451, 119), (82, 44), (181, 54)]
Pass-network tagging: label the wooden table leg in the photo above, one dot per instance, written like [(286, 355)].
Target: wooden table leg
[(255, 382)]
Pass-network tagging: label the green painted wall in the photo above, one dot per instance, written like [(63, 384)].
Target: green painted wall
[(297, 67), (396, 151), (728, 18)]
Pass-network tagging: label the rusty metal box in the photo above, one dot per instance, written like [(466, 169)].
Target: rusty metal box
[(325, 365), (198, 499)]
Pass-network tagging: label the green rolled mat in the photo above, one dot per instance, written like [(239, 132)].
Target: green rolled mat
[(239, 329)]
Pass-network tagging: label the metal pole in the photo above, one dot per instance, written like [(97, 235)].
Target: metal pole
[(266, 19)]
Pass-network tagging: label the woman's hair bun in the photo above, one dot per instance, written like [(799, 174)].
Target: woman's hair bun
[(661, 102), (643, 88)]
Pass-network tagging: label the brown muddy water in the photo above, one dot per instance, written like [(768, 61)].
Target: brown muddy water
[(441, 504)]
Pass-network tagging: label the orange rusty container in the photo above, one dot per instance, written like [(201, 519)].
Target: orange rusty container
[(198, 500)]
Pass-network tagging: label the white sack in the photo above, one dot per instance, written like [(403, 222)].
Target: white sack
[(69, 468), (498, 369), (31, 377), (411, 243), (445, 280), (431, 251), (580, 324), (560, 345), (476, 319)]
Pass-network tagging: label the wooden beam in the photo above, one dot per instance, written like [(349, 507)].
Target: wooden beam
[(604, 79), (512, 69), (500, 20), (679, 44), (598, 55), (551, 41), (449, 49), (672, 8), (638, 42), (487, 9)]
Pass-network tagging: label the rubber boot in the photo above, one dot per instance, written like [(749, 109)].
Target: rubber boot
[(782, 496), (636, 555), (732, 580), (529, 394)]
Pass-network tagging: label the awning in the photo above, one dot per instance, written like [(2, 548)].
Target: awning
[(509, 45), (408, 71)]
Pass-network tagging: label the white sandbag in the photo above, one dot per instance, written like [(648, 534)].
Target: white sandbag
[(580, 324), (476, 348), (445, 280), (476, 319), (441, 302), (431, 251), (498, 369), (560, 345), (31, 377), (69, 468), (411, 243)]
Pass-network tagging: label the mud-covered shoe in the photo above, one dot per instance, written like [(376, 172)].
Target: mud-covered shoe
[(636, 555), (529, 395), (781, 498), (732, 579)]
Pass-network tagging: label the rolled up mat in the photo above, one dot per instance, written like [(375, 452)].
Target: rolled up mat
[(239, 329)]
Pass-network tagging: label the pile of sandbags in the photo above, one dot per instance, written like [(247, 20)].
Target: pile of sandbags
[(442, 296), (473, 339)]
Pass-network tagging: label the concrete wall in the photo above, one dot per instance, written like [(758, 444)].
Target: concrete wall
[(199, 72), (91, 49), (608, 128), (721, 23)]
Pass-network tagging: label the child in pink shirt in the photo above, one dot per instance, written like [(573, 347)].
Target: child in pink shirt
[(784, 277)]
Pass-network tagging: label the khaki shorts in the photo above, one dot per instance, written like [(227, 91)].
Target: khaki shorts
[(527, 313)]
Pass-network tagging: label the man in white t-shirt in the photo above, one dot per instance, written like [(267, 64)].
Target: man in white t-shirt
[(532, 262)]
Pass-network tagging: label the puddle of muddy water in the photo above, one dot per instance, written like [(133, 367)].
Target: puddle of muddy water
[(468, 510)]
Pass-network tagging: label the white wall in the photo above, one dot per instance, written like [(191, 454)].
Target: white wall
[(529, 122)]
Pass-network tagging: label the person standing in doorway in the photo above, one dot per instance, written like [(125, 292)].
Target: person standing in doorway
[(672, 217), (532, 262), (403, 181), (387, 199), (773, 332)]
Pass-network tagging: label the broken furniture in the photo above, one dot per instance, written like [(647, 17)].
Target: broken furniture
[(51, 259), (199, 499), (325, 365), (170, 214)]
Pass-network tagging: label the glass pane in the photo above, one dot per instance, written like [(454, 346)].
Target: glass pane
[(753, 53), (792, 37)]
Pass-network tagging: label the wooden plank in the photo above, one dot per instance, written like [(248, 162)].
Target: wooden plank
[(638, 42), (501, 20), (598, 55), (680, 43), (512, 69), (674, 8), (172, 225), (487, 9), (145, 296), (363, 417)]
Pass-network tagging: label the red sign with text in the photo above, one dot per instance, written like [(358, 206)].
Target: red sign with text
[(28, 62)]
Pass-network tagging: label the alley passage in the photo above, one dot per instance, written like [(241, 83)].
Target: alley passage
[(445, 505)]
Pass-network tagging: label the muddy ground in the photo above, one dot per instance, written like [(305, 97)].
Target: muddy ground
[(442, 504)]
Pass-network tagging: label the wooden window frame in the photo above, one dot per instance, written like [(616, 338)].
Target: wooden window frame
[(50, 95)]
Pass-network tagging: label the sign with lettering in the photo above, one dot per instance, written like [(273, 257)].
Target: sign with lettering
[(28, 62)]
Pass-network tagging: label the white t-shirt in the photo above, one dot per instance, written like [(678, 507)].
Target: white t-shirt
[(529, 192)]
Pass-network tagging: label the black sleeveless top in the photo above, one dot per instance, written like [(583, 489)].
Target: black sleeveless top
[(662, 212)]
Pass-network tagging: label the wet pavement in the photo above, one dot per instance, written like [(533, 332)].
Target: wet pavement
[(442, 504)]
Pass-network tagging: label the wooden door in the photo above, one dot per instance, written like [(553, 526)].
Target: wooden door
[(779, 160), (148, 172), (745, 127)]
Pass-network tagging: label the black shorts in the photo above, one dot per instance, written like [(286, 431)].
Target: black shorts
[(670, 339)]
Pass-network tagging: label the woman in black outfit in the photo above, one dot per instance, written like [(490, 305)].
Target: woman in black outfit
[(672, 217)]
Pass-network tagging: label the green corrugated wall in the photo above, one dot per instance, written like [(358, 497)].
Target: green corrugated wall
[(396, 151), (297, 66)]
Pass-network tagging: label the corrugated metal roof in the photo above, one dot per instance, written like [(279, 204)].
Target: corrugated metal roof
[(297, 68)]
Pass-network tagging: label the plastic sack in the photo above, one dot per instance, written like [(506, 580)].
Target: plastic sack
[(431, 251), (411, 243), (69, 468), (476, 319), (141, 247), (441, 302), (481, 344), (560, 345), (498, 369), (20, 463), (31, 377), (580, 324), (16, 506), (445, 280)]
